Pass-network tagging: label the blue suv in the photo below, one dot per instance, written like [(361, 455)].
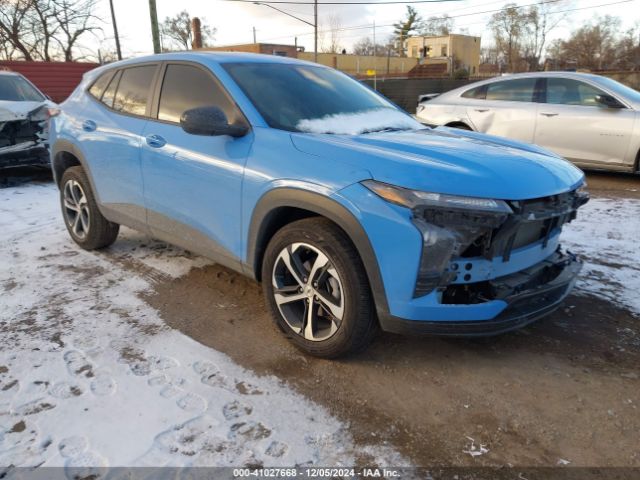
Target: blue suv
[(351, 214)]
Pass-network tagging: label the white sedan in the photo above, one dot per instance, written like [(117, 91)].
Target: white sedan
[(591, 120)]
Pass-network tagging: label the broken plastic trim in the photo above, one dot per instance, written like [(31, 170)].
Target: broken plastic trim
[(447, 234), (22, 139), (451, 233)]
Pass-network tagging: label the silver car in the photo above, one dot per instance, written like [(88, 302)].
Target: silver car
[(591, 120)]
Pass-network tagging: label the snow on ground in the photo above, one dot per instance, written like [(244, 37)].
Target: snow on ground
[(90, 376), (605, 235)]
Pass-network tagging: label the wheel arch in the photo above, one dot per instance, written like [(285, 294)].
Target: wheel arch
[(64, 155), (280, 206)]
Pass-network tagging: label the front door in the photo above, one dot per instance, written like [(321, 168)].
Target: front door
[(193, 183), (572, 124)]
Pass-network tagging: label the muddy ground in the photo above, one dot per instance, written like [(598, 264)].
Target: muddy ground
[(566, 389)]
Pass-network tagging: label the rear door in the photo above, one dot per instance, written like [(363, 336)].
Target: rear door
[(572, 124), (111, 135), (505, 108), (193, 183)]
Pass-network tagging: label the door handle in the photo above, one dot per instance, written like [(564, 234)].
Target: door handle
[(89, 126), (155, 141), (549, 114), (482, 110)]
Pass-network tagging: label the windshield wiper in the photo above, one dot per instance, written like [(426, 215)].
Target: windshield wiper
[(386, 129)]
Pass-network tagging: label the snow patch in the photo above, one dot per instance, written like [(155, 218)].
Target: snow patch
[(605, 236), (361, 122), (90, 376)]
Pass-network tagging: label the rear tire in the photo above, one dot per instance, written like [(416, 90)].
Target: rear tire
[(86, 225), (317, 289)]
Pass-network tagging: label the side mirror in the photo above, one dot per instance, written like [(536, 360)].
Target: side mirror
[(608, 101), (209, 121)]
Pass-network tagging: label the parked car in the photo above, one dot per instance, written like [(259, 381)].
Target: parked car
[(24, 112), (351, 214), (588, 119)]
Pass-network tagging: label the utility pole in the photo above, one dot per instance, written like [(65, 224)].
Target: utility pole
[(375, 70), (315, 31), (254, 35), (115, 30), (155, 31)]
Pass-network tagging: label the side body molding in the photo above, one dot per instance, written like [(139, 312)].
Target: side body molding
[(272, 203)]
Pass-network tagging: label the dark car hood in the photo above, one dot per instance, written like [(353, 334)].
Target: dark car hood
[(450, 161)]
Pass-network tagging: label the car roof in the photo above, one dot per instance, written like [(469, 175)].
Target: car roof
[(548, 74), (9, 72), (204, 57), (211, 56)]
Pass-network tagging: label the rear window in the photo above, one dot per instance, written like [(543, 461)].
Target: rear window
[(134, 89), (14, 88), (98, 87), (479, 93), (518, 90), (110, 93)]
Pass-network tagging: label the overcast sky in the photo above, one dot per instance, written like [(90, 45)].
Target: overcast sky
[(235, 21)]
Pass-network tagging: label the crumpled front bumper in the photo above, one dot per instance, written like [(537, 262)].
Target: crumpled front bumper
[(21, 155), (522, 298)]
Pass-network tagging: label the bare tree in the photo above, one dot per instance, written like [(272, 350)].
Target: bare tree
[(629, 49), (45, 29), (365, 47), (435, 26), (330, 36), (540, 20), (16, 28), (593, 46), (508, 26), (74, 19), (403, 29), (177, 30)]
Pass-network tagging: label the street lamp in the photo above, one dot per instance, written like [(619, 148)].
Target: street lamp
[(314, 24)]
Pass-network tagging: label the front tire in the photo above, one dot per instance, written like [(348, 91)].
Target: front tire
[(86, 225), (317, 289)]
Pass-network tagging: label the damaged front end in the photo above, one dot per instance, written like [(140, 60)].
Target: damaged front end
[(24, 135), (477, 251)]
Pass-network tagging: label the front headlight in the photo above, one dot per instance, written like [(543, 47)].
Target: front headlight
[(415, 198)]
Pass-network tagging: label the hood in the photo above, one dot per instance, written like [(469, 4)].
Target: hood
[(445, 160), (10, 111)]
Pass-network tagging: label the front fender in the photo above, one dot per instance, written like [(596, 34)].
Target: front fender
[(335, 208)]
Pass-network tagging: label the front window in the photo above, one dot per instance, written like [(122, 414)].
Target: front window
[(14, 88), (202, 91), (566, 91), (316, 99)]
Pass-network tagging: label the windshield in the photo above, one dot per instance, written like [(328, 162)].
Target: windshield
[(307, 98), (622, 90), (14, 88)]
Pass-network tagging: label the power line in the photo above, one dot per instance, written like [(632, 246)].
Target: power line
[(368, 26)]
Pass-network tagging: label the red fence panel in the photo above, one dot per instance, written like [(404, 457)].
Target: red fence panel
[(56, 79)]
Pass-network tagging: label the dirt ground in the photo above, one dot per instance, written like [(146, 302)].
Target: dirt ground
[(566, 389)]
